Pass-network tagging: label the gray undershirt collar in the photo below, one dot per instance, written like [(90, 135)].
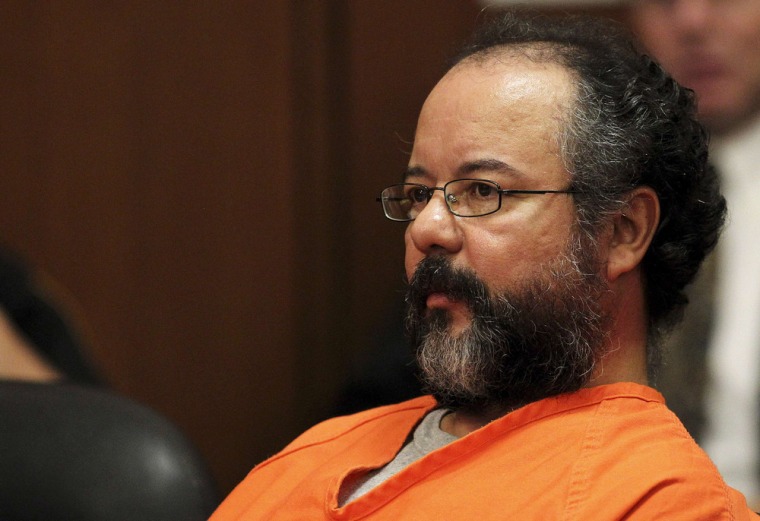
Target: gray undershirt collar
[(427, 437)]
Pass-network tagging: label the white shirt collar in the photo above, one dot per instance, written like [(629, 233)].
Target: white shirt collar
[(738, 156)]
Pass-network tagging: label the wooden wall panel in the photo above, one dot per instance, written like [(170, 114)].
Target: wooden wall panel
[(322, 180), (147, 166)]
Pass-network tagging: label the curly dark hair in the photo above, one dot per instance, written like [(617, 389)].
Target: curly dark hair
[(631, 125)]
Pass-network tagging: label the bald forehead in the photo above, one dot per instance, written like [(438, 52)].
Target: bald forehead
[(506, 107), (535, 57), (513, 73)]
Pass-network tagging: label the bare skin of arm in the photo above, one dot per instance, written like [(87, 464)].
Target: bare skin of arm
[(18, 360)]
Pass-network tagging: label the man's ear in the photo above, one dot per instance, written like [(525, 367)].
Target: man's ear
[(632, 232)]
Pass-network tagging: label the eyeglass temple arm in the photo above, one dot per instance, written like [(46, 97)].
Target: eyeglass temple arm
[(507, 192)]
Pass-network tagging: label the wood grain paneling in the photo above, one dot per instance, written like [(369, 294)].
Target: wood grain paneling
[(147, 166)]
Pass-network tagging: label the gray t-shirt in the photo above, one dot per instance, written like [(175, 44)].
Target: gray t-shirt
[(427, 437)]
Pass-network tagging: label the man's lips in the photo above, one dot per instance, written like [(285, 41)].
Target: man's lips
[(702, 70), (457, 310), (440, 301)]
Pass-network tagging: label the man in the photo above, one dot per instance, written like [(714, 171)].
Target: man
[(711, 377), (558, 201)]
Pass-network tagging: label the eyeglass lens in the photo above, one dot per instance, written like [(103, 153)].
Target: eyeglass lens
[(464, 197)]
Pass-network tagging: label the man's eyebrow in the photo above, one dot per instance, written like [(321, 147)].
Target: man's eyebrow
[(414, 171), (469, 168), (486, 165)]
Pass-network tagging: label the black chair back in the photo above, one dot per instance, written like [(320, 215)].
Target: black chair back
[(69, 452)]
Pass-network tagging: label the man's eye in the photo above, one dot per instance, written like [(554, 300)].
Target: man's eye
[(482, 190), (418, 195)]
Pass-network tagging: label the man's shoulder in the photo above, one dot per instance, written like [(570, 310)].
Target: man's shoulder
[(400, 414)]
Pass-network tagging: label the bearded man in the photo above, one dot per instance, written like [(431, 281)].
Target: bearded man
[(558, 201)]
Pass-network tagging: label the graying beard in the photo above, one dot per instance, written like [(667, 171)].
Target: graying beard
[(463, 365)]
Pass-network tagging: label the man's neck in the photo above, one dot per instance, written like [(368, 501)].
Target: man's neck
[(624, 364), (736, 129), (460, 423)]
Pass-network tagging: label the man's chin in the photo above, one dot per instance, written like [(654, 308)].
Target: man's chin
[(458, 325), (457, 319)]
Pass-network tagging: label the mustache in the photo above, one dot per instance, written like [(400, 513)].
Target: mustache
[(437, 274)]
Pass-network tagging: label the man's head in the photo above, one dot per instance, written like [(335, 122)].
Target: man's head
[(520, 303), (711, 46)]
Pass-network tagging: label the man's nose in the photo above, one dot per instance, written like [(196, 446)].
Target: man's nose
[(691, 14), (435, 229)]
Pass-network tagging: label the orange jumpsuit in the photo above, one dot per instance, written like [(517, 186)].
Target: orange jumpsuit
[(604, 453)]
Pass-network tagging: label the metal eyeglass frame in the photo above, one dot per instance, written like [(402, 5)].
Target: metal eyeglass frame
[(431, 189)]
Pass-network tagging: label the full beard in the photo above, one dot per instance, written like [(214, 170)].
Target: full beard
[(539, 340)]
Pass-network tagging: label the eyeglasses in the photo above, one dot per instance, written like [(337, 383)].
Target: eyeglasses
[(464, 197)]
